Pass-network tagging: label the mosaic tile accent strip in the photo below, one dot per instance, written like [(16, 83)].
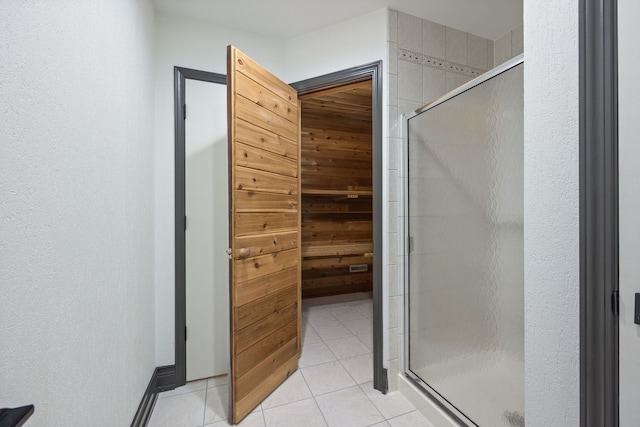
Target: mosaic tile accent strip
[(440, 64)]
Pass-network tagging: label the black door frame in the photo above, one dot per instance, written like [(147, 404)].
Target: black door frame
[(371, 71), (180, 76), (599, 344)]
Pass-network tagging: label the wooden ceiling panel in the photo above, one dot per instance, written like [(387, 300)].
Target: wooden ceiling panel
[(349, 107)]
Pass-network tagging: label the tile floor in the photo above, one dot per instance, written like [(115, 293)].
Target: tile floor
[(332, 387)]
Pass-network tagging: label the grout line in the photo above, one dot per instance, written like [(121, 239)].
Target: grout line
[(206, 393), (402, 415), (264, 419), (312, 395)]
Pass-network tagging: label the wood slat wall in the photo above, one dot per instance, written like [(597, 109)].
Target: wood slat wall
[(336, 176)]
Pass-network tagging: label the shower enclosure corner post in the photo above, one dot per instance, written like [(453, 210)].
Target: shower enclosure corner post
[(405, 240)]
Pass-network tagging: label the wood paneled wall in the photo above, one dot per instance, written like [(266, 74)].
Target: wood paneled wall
[(336, 173)]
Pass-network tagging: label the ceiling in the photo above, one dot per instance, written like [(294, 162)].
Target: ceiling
[(286, 19)]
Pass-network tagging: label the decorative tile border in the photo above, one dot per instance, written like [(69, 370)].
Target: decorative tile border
[(438, 63)]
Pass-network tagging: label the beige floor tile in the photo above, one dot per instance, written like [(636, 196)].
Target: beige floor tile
[(315, 354), (332, 331), (391, 404), (349, 407), (187, 388), (183, 410), (344, 348), (327, 377), (292, 390), (254, 419), (412, 419), (360, 367), (217, 404), (303, 413)]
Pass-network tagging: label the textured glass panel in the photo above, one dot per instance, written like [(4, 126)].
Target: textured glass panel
[(466, 278)]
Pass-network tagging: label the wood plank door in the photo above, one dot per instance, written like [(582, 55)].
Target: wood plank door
[(265, 274)]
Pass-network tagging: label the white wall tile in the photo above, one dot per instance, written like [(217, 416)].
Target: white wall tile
[(490, 55), (409, 81), (394, 122), (409, 32), (393, 217), (393, 343), (394, 152), (393, 58), (393, 89), (393, 248), (406, 106), (517, 41), (393, 282), (393, 26), (502, 49), (454, 80), (477, 52), (433, 39), (455, 46), (392, 374), (433, 84), (393, 186), (393, 311)]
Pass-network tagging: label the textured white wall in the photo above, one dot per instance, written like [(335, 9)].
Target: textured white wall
[(189, 43), (629, 128), (347, 44), (76, 196), (551, 233)]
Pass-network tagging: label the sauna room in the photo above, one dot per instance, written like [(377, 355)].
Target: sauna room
[(337, 218)]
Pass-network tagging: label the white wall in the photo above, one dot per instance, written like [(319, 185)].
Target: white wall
[(629, 159), (350, 43), (200, 45), (76, 196), (551, 213)]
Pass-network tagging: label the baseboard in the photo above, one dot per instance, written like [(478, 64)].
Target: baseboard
[(166, 378), (162, 379)]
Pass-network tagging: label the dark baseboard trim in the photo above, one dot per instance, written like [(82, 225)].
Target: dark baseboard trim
[(162, 379)]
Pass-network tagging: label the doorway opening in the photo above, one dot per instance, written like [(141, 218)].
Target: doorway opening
[(337, 228), (369, 194)]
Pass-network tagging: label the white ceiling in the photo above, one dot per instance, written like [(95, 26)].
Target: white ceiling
[(290, 18)]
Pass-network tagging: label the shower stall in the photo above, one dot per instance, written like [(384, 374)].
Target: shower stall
[(464, 278)]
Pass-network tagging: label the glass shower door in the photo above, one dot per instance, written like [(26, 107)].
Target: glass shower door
[(465, 278)]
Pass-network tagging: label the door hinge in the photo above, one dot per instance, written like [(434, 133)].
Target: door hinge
[(185, 222), (185, 333), (228, 253), (410, 248), (184, 111), (615, 303)]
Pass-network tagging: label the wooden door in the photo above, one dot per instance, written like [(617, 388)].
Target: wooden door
[(264, 153)]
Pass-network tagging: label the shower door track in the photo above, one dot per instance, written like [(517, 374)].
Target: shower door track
[(426, 389)]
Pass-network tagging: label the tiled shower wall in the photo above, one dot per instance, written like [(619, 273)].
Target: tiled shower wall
[(426, 60), (508, 46)]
